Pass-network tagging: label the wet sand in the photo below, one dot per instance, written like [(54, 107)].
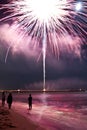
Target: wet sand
[(11, 120)]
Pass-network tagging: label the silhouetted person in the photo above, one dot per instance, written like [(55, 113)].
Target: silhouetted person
[(9, 100), (3, 99), (30, 102)]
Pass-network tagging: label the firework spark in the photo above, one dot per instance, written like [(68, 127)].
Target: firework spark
[(48, 22)]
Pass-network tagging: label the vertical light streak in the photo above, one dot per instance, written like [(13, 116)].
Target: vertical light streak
[(44, 44)]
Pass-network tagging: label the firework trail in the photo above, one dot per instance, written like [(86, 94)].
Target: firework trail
[(44, 56), (51, 23)]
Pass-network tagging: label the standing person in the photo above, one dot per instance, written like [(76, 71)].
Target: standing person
[(3, 99), (9, 100), (30, 102)]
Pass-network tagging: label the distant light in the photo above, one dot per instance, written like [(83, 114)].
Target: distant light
[(44, 90), (80, 89), (78, 6), (18, 90)]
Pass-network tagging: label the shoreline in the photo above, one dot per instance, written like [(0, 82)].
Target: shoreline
[(12, 120)]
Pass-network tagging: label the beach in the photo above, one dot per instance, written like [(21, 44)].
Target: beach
[(50, 111), (11, 120)]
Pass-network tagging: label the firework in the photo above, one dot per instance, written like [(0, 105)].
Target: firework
[(57, 24), (60, 18)]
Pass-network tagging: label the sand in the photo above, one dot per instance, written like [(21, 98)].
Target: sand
[(11, 120)]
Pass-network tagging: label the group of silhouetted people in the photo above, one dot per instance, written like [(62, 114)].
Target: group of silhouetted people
[(10, 100)]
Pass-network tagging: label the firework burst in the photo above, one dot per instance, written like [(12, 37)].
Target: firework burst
[(60, 18)]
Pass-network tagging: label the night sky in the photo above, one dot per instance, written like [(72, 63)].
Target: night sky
[(23, 68)]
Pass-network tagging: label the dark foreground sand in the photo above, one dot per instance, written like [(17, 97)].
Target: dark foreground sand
[(11, 120)]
